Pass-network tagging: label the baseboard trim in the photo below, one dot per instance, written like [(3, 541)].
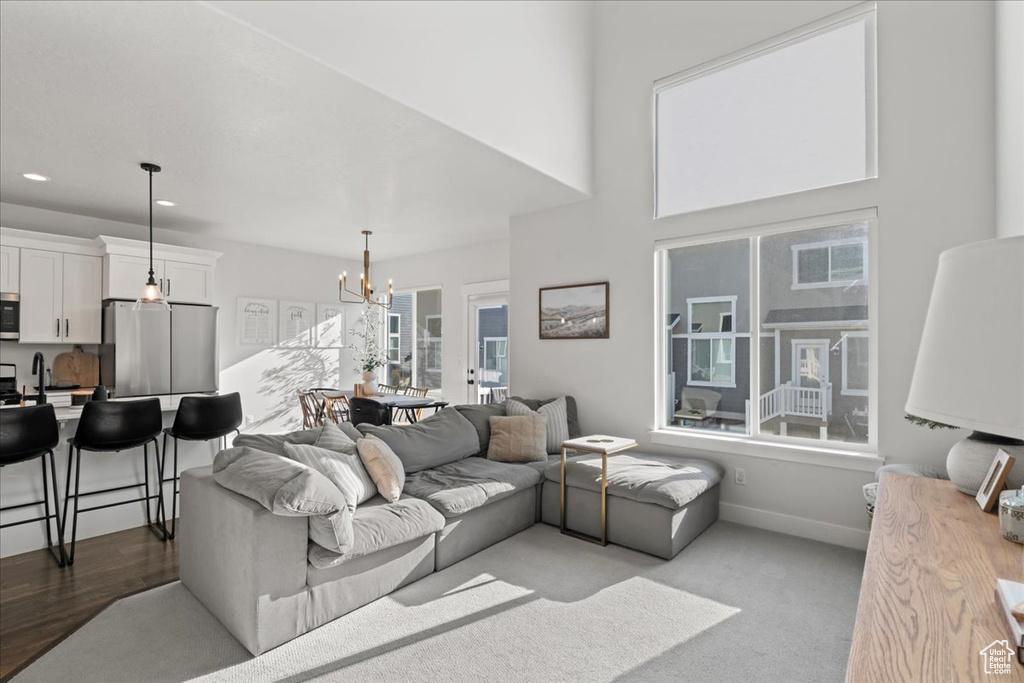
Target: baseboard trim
[(794, 526)]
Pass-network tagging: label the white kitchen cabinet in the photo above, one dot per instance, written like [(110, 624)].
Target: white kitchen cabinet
[(180, 282), (42, 291), (60, 297), (189, 283), (83, 287), (9, 261)]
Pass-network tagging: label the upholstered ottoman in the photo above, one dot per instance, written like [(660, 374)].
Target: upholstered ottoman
[(656, 504)]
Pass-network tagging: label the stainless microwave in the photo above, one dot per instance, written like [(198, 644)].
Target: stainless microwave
[(9, 314)]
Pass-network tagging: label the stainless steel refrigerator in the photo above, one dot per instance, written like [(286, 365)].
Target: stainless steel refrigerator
[(154, 350)]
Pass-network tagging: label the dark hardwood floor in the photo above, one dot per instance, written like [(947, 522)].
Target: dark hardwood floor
[(40, 603)]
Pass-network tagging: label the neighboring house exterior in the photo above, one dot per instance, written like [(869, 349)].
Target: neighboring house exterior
[(813, 339), (492, 344)]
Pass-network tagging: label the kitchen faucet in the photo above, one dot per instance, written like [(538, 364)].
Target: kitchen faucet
[(39, 368)]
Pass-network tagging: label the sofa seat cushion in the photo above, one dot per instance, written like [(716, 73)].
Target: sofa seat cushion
[(644, 477), (377, 525), (456, 488)]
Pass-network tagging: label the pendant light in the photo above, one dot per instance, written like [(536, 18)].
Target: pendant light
[(151, 293), (365, 293)]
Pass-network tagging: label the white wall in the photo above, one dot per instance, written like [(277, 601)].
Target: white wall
[(514, 75), (1009, 17), (934, 191), (450, 269), (266, 377)]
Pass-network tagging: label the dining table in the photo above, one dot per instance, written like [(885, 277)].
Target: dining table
[(410, 404)]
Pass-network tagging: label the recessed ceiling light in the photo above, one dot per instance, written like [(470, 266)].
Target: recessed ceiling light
[(165, 202), (35, 176)]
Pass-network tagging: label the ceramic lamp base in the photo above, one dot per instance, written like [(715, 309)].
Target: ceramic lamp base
[(969, 459)]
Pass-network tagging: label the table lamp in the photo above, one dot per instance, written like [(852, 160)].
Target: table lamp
[(970, 366)]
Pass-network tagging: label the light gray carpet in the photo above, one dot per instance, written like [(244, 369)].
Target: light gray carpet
[(738, 604)]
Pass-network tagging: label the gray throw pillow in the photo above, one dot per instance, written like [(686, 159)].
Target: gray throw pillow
[(480, 417), (345, 470), (520, 438), (571, 412), (442, 438), (274, 443), (290, 489), (555, 414)]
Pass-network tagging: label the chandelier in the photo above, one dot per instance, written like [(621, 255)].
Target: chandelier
[(365, 293)]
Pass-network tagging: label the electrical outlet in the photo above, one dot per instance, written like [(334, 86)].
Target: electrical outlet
[(249, 419), (741, 476)]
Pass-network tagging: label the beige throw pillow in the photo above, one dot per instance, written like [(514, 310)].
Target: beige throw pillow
[(384, 467), (521, 438)]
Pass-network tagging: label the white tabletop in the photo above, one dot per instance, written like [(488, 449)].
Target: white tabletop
[(599, 443)]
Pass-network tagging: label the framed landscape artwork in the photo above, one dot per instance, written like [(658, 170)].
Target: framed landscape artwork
[(574, 311)]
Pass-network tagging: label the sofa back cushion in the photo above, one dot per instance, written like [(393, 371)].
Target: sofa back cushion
[(480, 417), (274, 443), (445, 436), (571, 412), (521, 438), (290, 489)]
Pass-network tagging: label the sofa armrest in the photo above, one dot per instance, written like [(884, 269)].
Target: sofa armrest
[(244, 563)]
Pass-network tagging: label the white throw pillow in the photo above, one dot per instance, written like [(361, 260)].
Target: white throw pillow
[(384, 466), (556, 416), (345, 470)]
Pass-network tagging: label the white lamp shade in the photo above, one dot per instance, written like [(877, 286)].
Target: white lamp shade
[(970, 367)]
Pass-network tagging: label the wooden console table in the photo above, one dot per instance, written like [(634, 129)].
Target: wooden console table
[(927, 601)]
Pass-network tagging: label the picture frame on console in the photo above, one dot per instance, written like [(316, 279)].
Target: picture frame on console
[(994, 480), (575, 311)]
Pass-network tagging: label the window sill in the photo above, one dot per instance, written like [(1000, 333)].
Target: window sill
[(785, 452)]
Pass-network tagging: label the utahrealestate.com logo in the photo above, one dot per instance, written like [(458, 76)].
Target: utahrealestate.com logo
[(998, 657)]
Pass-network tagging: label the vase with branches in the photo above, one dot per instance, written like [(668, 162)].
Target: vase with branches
[(366, 347)]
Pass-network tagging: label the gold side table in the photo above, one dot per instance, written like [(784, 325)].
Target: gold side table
[(597, 443)]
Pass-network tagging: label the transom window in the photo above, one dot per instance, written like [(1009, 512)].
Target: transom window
[(837, 263)]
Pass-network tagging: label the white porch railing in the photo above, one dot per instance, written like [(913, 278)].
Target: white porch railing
[(788, 400)]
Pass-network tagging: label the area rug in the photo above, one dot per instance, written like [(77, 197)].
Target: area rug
[(738, 604)]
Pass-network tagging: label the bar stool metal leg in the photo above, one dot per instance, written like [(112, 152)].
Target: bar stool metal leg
[(59, 554), (76, 455), (159, 528)]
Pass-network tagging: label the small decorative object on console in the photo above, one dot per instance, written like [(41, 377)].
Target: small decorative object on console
[(993, 482), (1011, 515)]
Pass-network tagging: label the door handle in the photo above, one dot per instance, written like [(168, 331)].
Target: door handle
[(168, 286), (67, 328), (161, 284), (58, 329)]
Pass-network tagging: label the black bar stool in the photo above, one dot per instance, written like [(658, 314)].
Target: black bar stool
[(369, 411), (199, 418), (27, 433), (115, 426)]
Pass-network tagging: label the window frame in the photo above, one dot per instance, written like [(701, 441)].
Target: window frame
[(430, 339), (854, 456), (710, 337), (844, 389), (829, 245), (397, 336)]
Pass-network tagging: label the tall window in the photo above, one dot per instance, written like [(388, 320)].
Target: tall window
[(394, 337), (414, 340), (433, 342), (793, 113), (776, 360)]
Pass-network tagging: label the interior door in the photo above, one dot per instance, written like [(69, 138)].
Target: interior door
[(42, 274), (488, 351), (83, 286)]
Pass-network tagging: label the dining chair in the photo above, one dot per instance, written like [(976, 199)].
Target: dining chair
[(336, 408), (421, 392), (311, 415), (366, 410), (387, 389)]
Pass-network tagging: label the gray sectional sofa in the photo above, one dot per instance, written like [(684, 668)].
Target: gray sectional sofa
[(258, 573)]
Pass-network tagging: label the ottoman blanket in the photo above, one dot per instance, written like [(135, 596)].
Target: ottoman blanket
[(647, 478), (458, 487)]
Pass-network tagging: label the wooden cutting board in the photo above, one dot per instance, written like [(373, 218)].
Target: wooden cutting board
[(77, 367)]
